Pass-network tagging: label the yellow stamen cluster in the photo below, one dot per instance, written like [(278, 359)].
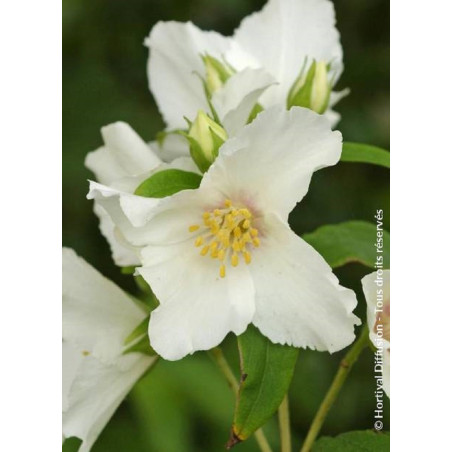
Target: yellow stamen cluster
[(227, 234)]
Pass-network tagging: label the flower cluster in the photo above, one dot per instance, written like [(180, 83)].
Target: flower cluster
[(202, 213)]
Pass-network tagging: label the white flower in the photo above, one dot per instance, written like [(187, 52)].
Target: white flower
[(223, 256), (376, 287), (97, 318), (124, 162), (280, 39)]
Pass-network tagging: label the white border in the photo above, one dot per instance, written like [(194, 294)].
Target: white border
[(421, 225), (30, 226)]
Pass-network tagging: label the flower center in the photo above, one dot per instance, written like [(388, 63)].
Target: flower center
[(227, 234)]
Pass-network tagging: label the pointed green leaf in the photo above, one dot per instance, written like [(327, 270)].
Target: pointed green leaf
[(141, 329), (352, 241), (364, 153), (142, 346), (167, 182), (254, 112), (362, 441), (267, 371)]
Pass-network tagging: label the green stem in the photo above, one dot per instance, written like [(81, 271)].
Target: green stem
[(262, 442), (284, 425), (330, 397), (218, 356)]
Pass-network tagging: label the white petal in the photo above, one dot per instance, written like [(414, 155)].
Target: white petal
[(72, 358), (184, 164), (122, 254), (119, 204), (175, 66), (96, 391), (235, 100), (270, 162), (124, 154), (283, 34), (97, 314), (298, 298), (371, 285), (171, 218), (198, 308), (172, 147)]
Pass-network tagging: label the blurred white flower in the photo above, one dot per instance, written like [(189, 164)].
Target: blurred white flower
[(223, 256), (97, 318), (376, 288), (278, 41)]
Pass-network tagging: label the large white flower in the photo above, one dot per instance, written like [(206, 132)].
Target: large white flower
[(280, 39), (123, 163), (223, 256), (376, 287), (97, 318)]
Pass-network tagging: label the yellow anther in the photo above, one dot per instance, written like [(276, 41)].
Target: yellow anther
[(246, 237), (245, 212), (214, 227), (225, 234)]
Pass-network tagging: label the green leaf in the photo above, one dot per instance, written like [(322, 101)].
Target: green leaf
[(267, 371), (352, 241), (138, 340), (130, 270), (254, 112), (142, 346), (167, 182), (362, 441), (141, 329), (364, 153)]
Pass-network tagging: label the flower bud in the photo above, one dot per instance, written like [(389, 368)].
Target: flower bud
[(205, 137), (216, 73), (312, 88)]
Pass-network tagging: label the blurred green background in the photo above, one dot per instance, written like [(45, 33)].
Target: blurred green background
[(186, 406)]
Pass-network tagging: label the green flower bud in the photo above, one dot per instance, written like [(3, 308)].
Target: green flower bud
[(312, 88), (216, 73), (205, 137)]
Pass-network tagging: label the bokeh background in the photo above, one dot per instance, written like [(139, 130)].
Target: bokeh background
[(186, 406)]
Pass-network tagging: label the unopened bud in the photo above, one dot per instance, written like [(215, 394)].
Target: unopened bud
[(312, 88), (205, 137), (217, 73)]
